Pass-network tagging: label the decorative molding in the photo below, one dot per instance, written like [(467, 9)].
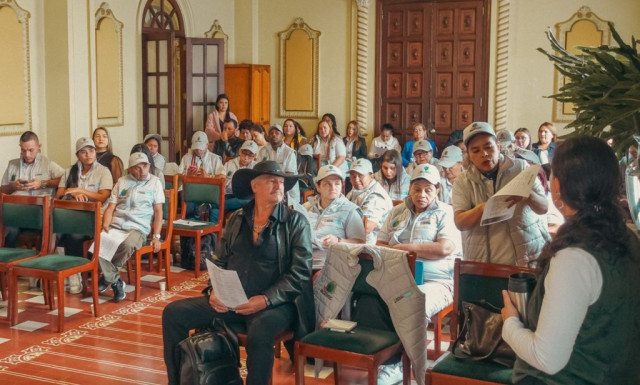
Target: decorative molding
[(104, 12), (299, 25), (502, 65), (362, 77), (562, 29), (23, 17), (216, 32)]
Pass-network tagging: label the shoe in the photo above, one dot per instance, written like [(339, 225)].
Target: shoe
[(75, 283), (390, 374), (118, 290), (103, 285)]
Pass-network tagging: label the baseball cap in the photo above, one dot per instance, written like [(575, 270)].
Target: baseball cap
[(476, 128), (450, 156), (362, 166), (506, 137), (527, 155), (84, 142), (157, 137), (422, 145), (276, 127), (306, 149), (250, 145), (199, 141), (327, 170), (427, 172), (137, 158)]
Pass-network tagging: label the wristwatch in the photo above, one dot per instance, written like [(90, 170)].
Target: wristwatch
[(156, 236)]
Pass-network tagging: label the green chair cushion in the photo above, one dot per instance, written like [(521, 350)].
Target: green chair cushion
[(22, 216), (54, 262), (479, 370), (362, 340), (201, 225), (66, 221), (202, 193), (477, 287), (8, 254)]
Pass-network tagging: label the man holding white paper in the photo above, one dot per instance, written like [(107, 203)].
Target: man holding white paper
[(135, 200), (268, 246), (505, 238)]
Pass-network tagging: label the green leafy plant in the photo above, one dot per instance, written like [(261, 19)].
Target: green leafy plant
[(603, 83)]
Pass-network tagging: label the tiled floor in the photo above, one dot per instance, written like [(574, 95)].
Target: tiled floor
[(123, 345)]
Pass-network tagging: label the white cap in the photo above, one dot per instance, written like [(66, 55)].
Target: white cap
[(527, 155), (327, 170), (476, 128), (422, 145), (450, 156), (137, 158), (276, 127), (250, 145), (84, 142), (427, 172), (157, 137), (199, 141), (305, 149), (506, 137), (362, 166)]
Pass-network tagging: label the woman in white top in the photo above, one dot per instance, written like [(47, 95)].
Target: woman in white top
[(581, 324), (392, 177), (355, 144), (329, 146)]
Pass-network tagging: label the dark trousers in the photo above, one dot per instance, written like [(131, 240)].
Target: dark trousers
[(195, 313)]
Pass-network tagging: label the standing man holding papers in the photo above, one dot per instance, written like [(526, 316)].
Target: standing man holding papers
[(136, 199), (514, 241), (269, 246)]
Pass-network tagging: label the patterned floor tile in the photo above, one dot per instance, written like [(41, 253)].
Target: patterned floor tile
[(152, 278), (68, 311), (39, 299), (29, 326)]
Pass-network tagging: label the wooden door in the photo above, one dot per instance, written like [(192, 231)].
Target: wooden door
[(158, 84), (432, 65)]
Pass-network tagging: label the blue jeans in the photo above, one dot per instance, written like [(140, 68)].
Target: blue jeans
[(231, 203)]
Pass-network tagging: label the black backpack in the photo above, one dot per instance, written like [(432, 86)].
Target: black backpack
[(211, 357), (188, 253), (307, 169)]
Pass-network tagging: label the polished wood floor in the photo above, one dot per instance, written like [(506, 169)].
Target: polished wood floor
[(121, 346)]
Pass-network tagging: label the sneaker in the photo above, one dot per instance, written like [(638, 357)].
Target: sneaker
[(103, 285), (390, 374), (75, 283), (118, 290)]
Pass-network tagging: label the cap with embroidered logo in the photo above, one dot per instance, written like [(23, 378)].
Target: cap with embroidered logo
[(427, 172), (450, 156), (422, 145), (250, 145), (199, 141), (137, 158), (306, 150), (326, 171), (477, 128), (505, 137), (84, 142), (276, 127), (362, 166)]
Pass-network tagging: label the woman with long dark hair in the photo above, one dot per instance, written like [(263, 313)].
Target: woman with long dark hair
[(547, 137), (292, 137), (329, 146), (523, 138), (582, 317), (392, 177), (104, 153), (216, 118), (354, 143)]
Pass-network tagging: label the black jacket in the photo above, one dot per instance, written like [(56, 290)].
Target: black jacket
[(230, 148), (360, 152)]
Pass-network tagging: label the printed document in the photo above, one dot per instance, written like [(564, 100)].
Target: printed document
[(496, 209), (226, 286), (109, 243)]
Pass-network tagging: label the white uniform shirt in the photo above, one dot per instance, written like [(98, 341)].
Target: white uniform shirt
[(375, 204), (230, 168), (134, 200), (411, 166), (159, 161), (379, 146), (42, 168), (445, 190), (395, 192), (97, 178), (211, 163), (336, 149), (286, 158)]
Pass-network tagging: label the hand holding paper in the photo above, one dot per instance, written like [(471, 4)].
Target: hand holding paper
[(501, 205), (226, 286)]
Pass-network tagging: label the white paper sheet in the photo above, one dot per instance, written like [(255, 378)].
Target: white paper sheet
[(496, 209), (109, 243), (226, 286), (184, 222)]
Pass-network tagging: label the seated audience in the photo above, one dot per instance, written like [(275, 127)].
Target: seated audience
[(547, 138), (153, 170), (258, 135), (424, 225), (422, 154), (517, 240), (392, 176), (244, 129), (292, 136), (581, 324), (245, 159), (506, 142), (135, 207), (419, 133), (216, 118), (104, 153), (228, 144), (523, 138), (286, 157), (333, 218), (329, 146), (386, 141), (369, 196), (153, 141), (354, 143), (269, 246), (451, 163), (331, 120)]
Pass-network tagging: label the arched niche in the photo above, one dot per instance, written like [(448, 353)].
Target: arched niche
[(109, 71)]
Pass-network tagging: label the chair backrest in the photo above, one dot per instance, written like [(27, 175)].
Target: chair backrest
[(475, 281), (169, 211), (26, 212), (77, 218), (171, 182), (397, 202), (203, 190)]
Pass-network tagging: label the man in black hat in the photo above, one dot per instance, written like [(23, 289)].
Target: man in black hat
[(269, 246)]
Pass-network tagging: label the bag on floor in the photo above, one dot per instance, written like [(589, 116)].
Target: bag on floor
[(188, 251), (211, 357)]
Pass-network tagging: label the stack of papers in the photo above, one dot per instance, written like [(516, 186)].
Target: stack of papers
[(338, 325)]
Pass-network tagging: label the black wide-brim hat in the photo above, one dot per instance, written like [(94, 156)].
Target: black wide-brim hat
[(241, 182)]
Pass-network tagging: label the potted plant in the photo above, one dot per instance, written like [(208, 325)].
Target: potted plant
[(603, 83)]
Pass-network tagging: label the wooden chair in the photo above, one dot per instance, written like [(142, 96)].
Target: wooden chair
[(172, 182), (201, 190), (68, 217), (436, 321), (473, 281), (366, 348), (169, 215), (23, 212), (307, 194)]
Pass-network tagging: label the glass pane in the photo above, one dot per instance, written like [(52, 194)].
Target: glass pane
[(151, 81), (212, 89), (164, 149), (163, 92), (162, 55), (151, 56), (198, 92), (212, 59), (153, 120), (198, 118), (196, 57), (164, 122), (167, 7)]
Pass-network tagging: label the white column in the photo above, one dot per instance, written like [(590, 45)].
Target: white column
[(362, 58)]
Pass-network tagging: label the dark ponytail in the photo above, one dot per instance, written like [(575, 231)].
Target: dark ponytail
[(72, 179)]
